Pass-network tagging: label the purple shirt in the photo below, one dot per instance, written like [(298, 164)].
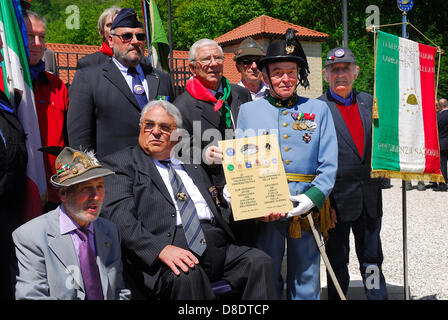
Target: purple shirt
[(68, 225)]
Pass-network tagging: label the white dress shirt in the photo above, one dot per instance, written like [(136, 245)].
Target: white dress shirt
[(256, 95), (202, 208)]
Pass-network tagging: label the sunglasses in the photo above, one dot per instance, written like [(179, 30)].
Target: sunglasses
[(248, 62), (126, 37)]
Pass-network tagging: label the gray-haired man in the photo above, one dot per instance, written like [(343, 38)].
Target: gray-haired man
[(175, 239), (69, 253)]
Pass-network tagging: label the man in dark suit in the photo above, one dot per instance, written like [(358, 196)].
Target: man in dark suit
[(209, 108), (106, 100), (356, 199), (442, 124), (156, 201)]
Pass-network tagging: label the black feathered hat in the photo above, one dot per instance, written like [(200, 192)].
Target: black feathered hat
[(288, 49)]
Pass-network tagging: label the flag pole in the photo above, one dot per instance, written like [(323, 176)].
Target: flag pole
[(170, 39), (404, 207)]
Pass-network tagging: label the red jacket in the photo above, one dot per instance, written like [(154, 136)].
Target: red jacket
[(51, 98)]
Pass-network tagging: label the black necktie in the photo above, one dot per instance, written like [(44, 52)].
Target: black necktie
[(190, 220), (137, 88)]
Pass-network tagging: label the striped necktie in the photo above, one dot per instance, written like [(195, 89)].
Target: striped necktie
[(190, 220)]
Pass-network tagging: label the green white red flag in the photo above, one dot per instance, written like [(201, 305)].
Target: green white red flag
[(405, 137), (17, 86)]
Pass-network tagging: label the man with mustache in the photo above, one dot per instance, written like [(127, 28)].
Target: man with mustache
[(106, 100), (175, 240), (69, 253), (356, 199)]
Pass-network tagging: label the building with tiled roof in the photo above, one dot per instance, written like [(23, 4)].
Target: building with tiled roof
[(263, 29)]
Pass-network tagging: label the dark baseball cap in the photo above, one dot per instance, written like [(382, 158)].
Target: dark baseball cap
[(339, 54)]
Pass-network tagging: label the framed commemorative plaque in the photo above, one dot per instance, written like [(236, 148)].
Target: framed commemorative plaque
[(255, 176)]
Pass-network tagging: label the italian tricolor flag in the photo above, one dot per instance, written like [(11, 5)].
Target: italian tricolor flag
[(17, 86), (405, 137)]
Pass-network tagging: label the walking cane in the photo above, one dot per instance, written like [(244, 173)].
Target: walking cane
[(320, 245)]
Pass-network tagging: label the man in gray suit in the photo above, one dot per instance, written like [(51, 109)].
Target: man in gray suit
[(106, 100), (356, 199), (69, 253), (175, 239)]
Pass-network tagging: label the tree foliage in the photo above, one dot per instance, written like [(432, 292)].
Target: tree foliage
[(195, 19)]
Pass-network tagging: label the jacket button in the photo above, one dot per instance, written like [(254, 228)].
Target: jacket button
[(287, 149), (285, 112), (285, 124), (169, 234), (288, 162), (285, 136)]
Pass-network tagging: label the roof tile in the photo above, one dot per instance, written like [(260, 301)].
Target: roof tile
[(268, 27)]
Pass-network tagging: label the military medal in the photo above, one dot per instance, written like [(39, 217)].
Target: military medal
[(214, 193), (306, 137), (138, 89), (302, 125), (181, 196)]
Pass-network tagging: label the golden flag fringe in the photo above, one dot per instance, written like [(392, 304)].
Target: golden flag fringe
[(419, 176)]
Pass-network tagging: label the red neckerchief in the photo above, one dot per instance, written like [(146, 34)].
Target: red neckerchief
[(198, 91), (106, 49)]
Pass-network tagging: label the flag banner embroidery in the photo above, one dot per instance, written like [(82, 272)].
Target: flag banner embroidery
[(405, 137)]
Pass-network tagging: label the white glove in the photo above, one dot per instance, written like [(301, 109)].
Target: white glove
[(226, 194), (305, 205)]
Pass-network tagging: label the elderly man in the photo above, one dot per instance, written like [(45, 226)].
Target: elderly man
[(356, 200), (246, 58), (70, 253), (106, 100), (104, 23), (308, 145), (51, 98), (175, 240), (209, 109)]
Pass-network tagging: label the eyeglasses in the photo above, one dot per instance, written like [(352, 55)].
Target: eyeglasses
[(150, 126), (248, 62), (207, 60), (126, 37)]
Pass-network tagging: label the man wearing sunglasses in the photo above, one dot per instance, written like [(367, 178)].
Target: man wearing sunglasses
[(246, 59), (106, 99)]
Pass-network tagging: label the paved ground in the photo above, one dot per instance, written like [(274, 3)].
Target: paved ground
[(427, 246)]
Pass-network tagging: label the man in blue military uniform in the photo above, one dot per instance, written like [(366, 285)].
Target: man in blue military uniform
[(309, 149)]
